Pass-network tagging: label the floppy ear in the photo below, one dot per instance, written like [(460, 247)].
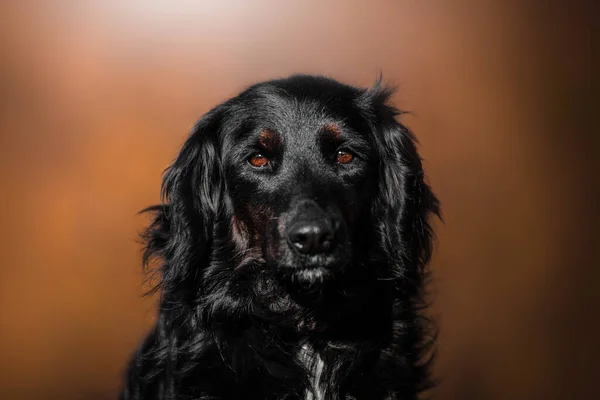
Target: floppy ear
[(404, 200), (180, 236), (403, 205)]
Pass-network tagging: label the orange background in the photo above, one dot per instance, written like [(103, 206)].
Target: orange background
[(97, 97)]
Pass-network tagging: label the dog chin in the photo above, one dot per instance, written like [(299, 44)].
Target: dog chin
[(308, 283)]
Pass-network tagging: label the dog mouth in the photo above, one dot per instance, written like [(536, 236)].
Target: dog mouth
[(309, 281), (306, 283)]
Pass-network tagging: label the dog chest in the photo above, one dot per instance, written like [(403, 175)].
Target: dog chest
[(313, 364)]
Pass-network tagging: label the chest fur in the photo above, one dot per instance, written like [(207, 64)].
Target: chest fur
[(314, 365)]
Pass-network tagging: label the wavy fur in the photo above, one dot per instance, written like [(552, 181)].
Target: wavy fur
[(228, 328)]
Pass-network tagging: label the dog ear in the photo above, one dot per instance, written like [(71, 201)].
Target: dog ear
[(180, 236), (403, 206), (405, 200)]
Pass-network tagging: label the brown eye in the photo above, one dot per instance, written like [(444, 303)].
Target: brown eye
[(258, 160), (344, 157)]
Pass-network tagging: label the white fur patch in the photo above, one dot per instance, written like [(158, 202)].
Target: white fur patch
[(314, 364)]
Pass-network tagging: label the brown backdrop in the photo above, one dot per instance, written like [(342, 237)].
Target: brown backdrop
[(97, 97)]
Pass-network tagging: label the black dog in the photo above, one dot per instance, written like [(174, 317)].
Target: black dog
[(292, 245)]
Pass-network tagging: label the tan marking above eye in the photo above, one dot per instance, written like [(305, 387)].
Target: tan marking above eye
[(258, 160), (332, 130), (344, 157), (269, 139)]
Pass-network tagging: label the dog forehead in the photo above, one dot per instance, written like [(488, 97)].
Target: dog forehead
[(298, 114), (301, 129), (292, 121)]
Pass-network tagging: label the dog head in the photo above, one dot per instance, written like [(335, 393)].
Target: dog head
[(293, 189)]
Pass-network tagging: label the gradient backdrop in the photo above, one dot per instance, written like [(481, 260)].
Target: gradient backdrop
[(97, 97)]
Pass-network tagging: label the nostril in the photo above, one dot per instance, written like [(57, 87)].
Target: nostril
[(326, 240), (299, 240)]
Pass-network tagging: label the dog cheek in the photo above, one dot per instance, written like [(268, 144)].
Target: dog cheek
[(272, 238), (254, 223), (352, 208), (239, 234)]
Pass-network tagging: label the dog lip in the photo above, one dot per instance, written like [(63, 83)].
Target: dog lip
[(329, 262), (301, 266), (312, 271)]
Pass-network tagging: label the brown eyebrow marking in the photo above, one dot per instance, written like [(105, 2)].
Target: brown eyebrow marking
[(269, 139), (333, 131), (330, 137)]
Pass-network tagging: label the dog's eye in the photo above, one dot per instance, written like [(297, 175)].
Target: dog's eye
[(258, 160), (344, 157)]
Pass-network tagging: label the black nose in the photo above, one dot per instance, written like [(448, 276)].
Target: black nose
[(312, 237)]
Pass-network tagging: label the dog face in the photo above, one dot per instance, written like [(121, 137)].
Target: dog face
[(297, 185)]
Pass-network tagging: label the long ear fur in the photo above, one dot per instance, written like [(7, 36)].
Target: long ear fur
[(180, 236), (179, 239), (405, 203), (405, 200)]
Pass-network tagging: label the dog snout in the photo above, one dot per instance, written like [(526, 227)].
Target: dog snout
[(312, 237)]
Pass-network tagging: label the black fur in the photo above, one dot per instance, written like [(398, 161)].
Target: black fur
[(237, 301)]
